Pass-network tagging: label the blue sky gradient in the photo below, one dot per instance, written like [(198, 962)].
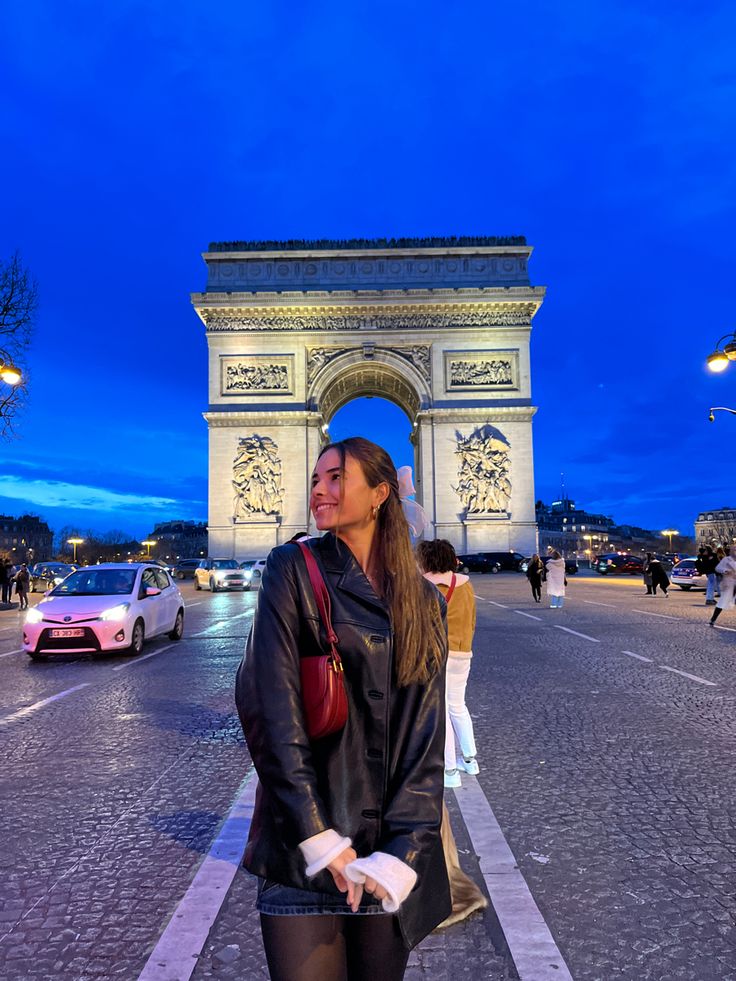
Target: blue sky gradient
[(137, 133)]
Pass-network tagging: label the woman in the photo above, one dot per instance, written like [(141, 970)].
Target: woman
[(345, 835), (535, 575), (646, 571), (726, 569), (556, 581), (659, 576), (22, 580)]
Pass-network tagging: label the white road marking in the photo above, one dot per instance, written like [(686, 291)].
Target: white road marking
[(530, 615), (692, 677), (532, 946), (569, 631), (611, 606), (188, 606), (719, 627), (37, 705), (662, 616), (222, 623), (12, 652), (503, 607), (174, 957), (130, 664), (639, 657)]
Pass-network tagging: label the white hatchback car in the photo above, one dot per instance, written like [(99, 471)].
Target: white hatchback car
[(686, 576), (216, 574), (110, 607)]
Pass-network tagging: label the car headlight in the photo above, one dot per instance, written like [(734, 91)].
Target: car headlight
[(115, 613), (34, 616), (247, 573)]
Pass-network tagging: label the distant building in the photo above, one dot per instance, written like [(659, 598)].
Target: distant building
[(572, 531), (25, 539), (179, 540), (714, 527)]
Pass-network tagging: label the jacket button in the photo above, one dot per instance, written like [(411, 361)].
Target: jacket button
[(369, 813), (375, 754), (378, 695)]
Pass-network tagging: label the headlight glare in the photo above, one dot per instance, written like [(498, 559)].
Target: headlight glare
[(115, 613), (34, 616)]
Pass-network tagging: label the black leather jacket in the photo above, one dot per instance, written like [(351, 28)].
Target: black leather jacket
[(380, 780)]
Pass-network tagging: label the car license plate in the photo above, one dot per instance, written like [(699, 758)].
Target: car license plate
[(69, 632)]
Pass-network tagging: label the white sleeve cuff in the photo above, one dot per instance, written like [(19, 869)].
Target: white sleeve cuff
[(396, 877), (320, 849)]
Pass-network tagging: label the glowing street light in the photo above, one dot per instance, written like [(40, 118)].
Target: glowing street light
[(10, 374), (74, 542), (718, 361), (670, 532), (148, 543), (719, 408)]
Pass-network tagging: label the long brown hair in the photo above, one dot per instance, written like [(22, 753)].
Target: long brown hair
[(418, 633)]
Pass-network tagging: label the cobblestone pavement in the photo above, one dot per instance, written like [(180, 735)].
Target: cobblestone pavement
[(611, 777)]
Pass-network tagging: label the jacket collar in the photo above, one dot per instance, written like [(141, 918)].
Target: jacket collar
[(338, 559)]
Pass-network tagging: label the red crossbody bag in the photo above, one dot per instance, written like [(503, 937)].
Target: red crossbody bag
[(324, 698)]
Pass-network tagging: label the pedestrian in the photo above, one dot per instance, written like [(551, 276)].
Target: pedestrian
[(556, 580), (646, 571), (705, 564), (536, 575), (22, 580), (5, 581), (726, 569), (345, 836), (659, 576), (437, 560)]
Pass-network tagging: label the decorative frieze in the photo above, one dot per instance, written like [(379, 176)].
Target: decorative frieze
[(256, 478), (418, 355), (257, 374), (484, 481), (481, 371)]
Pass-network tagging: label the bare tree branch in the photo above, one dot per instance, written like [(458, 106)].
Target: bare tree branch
[(18, 305)]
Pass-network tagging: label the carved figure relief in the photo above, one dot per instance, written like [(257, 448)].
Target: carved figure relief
[(419, 355), (484, 481), (517, 316), (256, 478), (481, 370), (257, 375), (318, 357)]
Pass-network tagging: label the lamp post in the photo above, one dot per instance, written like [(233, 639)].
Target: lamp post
[(74, 542), (719, 360), (148, 543), (719, 408), (670, 532), (10, 374)]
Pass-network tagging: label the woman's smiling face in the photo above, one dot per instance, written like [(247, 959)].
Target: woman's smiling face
[(341, 498)]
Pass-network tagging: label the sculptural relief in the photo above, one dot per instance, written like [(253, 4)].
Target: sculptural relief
[(318, 357), (519, 315), (256, 478), (472, 373), (257, 375), (484, 481)]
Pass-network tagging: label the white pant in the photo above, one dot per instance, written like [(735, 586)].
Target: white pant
[(458, 718)]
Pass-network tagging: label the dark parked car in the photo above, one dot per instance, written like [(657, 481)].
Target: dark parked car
[(46, 575), (571, 565), (614, 563), (185, 569), (491, 562)]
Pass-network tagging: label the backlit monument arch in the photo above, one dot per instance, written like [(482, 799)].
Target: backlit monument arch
[(440, 327)]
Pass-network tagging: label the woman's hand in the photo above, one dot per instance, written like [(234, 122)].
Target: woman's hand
[(336, 866), (376, 890)]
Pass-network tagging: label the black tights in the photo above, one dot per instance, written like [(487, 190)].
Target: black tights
[(334, 947)]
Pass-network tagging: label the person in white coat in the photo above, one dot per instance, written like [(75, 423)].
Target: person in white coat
[(726, 569), (556, 581)]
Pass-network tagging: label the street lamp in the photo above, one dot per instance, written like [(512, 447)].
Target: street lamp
[(670, 532), (719, 408), (75, 542), (719, 359), (10, 374), (148, 543)]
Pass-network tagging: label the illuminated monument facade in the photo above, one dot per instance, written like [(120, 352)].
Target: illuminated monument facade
[(440, 327)]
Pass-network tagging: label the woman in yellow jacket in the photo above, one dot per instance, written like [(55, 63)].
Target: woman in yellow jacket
[(438, 562)]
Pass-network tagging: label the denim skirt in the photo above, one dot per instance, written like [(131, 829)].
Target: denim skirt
[(277, 900)]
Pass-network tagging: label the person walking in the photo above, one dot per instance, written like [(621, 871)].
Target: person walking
[(535, 574), (22, 580), (438, 562), (345, 836), (5, 581), (659, 576), (556, 580), (646, 571), (705, 564), (726, 569)]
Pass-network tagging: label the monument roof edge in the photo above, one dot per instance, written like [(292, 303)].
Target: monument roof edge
[(358, 253)]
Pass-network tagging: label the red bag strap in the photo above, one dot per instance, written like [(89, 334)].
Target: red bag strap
[(322, 597), (451, 588)]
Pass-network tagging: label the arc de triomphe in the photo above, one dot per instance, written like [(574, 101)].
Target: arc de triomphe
[(440, 327)]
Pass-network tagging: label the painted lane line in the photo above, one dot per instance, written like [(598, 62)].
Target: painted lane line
[(530, 615), (503, 606), (481, 598), (174, 957), (692, 677), (639, 657), (144, 657), (584, 636), (730, 629), (188, 606), (662, 616), (223, 623), (46, 701), (12, 652), (532, 946), (611, 606)]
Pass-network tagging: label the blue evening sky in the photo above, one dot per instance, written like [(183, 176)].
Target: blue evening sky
[(135, 133)]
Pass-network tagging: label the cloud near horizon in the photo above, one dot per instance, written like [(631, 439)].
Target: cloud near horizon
[(62, 494)]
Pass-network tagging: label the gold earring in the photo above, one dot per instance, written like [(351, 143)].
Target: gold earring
[(375, 512)]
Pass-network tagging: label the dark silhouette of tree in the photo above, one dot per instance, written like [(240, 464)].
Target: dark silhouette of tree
[(18, 304)]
